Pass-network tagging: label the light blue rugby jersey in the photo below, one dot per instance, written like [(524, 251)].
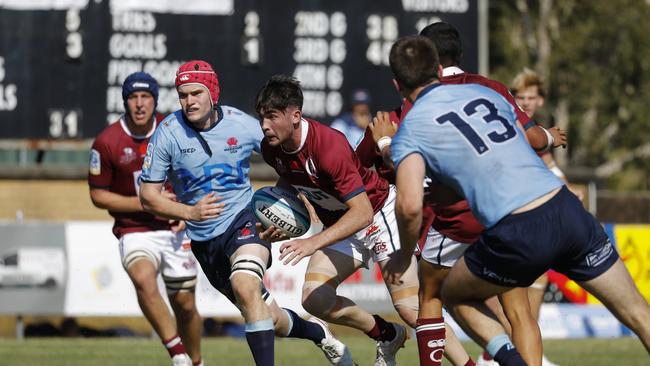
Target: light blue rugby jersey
[(215, 160), (468, 138)]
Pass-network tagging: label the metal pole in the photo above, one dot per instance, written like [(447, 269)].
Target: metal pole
[(20, 328), (483, 38)]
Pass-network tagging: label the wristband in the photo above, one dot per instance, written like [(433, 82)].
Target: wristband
[(550, 140), (383, 142)]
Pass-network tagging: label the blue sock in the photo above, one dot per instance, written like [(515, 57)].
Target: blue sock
[(504, 352), (260, 336), (301, 328)]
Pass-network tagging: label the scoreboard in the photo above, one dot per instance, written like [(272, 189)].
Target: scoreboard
[(62, 62)]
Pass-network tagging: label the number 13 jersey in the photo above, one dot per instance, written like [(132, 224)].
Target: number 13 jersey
[(468, 138)]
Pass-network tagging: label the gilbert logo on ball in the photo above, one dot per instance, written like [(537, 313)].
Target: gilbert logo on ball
[(279, 207)]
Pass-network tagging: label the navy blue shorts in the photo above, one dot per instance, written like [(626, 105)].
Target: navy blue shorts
[(214, 255), (559, 235)]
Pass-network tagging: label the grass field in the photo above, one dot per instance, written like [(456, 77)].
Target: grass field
[(229, 351)]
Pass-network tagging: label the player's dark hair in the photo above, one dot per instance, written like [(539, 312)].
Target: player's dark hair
[(447, 40), (279, 92), (414, 61)]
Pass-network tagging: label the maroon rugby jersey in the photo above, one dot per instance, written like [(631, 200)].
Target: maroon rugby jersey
[(327, 171), (115, 164)]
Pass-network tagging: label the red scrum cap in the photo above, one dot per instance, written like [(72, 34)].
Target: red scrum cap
[(199, 72)]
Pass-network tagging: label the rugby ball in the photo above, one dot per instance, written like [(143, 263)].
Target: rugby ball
[(280, 207)]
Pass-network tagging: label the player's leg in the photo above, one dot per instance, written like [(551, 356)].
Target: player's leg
[(536, 295), (525, 331), (463, 294), (591, 260), (179, 271), (326, 269), (428, 330), (291, 325), (248, 264), (141, 259), (618, 292)]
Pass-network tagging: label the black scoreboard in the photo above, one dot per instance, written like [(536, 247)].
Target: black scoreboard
[(62, 62)]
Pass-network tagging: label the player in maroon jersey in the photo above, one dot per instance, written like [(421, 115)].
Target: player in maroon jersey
[(148, 245), (355, 205)]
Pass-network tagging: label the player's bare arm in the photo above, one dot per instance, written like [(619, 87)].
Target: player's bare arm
[(408, 210), (358, 216), (115, 202), (156, 202), (383, 129)]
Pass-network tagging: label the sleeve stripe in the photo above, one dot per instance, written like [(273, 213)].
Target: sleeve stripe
[(530, 124), (354, 193), (152, 181), (99, 186)]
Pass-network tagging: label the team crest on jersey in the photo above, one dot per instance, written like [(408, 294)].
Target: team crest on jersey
[(310, 168), (233, 145), (95, 166), (128, 156)]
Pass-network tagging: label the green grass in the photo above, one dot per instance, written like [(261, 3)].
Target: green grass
[(228, 351)]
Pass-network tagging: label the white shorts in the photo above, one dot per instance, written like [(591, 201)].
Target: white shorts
[(378, 240), (170, 252), (442, 250)]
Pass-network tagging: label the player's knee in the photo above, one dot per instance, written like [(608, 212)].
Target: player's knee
[(247, 289), (184, 305), (318, 300)]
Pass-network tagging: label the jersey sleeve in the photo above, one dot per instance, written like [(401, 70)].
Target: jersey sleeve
[(522, 117), (100, 169), (257, 135), (157, 161), (404, 143), (365, 150), (342, 169)]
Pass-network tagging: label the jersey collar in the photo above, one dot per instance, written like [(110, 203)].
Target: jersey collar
[(125, 127), (204, 144), (426, 90), (451, 71), (304, 128)]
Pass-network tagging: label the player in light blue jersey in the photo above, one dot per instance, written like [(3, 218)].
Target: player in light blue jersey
[(466, 137), (204, 150)]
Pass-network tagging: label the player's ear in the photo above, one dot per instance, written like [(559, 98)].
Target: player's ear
[(296, 116)]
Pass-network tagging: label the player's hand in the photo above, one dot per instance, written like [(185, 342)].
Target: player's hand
[(313, 216), (381, 126), (272, 234), (207, 208), (397, 264), (177, 225), (559, 137), (295, 250)]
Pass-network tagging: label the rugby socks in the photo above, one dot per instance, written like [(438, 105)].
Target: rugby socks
[(430, 334), (487, 356), (260, 336), (504, 352), (174, 346), (301, 328), (383, 331)]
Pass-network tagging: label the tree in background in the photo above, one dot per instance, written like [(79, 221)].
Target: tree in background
[(595, 58)]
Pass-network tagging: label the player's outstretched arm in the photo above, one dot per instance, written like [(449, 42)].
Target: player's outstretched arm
[(114, 202), (156, 202), (408, 204), (358, 216)]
